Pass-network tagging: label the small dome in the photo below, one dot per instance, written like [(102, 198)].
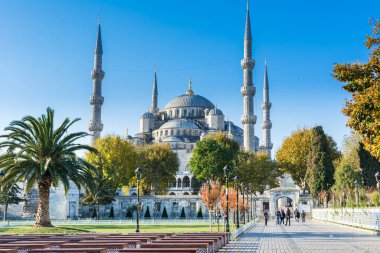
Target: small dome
[(179, 123), (189, 100), (147, 115), (216, 112)]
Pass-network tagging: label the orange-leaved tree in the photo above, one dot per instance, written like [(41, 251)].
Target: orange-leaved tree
[(210, 193)]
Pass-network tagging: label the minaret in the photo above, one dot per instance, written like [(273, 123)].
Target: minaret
[(248, 91), (154, 108), (96, 99), (267, 124)]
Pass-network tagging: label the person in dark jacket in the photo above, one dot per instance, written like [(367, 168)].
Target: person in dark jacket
[(278, 217), (303, 215), (287, 216), (266, 216), (282, 217)]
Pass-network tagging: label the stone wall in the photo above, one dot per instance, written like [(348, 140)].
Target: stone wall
[(367, 218)]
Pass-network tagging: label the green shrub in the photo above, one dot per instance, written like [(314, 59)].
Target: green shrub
[(147, 213), (375, 200), (164, 214)]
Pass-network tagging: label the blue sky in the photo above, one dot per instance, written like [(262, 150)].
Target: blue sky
[(47, 47)]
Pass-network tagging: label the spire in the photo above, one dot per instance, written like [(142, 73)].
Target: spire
[(96, 99), (248, 34), (98, 47), (154, 108), (267, 124), (248, 90), (190, 91)]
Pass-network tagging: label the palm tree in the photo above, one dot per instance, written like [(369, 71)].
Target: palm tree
[(36, 153)]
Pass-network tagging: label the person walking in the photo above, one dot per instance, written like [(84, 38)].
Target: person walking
[(278, 217), (297, 215), (287, 216), (303, 215), (266, 216), (282, 217)]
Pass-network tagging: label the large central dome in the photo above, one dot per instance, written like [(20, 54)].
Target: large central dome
[(190, 100)]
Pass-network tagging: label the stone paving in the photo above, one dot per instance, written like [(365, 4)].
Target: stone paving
[(309, 237)]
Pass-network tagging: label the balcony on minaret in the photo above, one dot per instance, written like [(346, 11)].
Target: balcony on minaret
[(267, 125), (247, 63), (97, 74), (96, 100), (266, 105), (95, 126), (248, 90), (248, 119)]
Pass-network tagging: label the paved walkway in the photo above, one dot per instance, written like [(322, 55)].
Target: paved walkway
[(310, 237)]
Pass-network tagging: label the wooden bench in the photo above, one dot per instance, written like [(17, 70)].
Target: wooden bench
[(130, 243), (159, 250), (212, 245), (24, 246), (105, 245), (69, 250), (202, 247), (219, 239), (217, 243)]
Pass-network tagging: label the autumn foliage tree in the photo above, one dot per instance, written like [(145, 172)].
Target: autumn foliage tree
[(210, 193), (362, 80)]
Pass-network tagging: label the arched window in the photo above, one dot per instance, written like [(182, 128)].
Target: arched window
[(192, 112), (186, 193), (170, 113), (179, 185), (166, 132), (176, 113), (171, 132), (185, 113), (186, 181), (172, 193)]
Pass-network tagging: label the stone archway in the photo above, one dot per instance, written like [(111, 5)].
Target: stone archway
[(282, 197)]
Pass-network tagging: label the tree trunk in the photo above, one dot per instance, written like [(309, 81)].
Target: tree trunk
[(210, 219), (5, 212), (43, 216)]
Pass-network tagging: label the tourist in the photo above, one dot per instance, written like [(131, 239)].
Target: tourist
[(303, 215), (278, 217), (297, 215), (282, 217), (266, 216), (287, 216)]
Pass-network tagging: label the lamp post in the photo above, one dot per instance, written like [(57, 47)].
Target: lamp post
[(242, 193), (356, 192), (377, 176), (227, 174), (237, 200), (138, 172), (247, 211)]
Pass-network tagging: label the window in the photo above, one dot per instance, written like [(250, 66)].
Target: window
[(175, 207), (176, 113), (185, 113), (193, 207), (186, 181)]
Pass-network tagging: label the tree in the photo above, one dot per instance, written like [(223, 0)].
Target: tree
[(200, 214), (112, 215), (183, 215), (362, 81), (369, 166), (211, 154), (160, 164), (129, 214), (345, 176), (37, 153), (9, 195), (164, 214), (320, 172), (293, 155), (119, 159), (147, 213), (100, 191), (265, 171), (210, 193)]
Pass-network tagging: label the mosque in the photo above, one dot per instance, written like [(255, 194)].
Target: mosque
[(181, 123), (190, 117)]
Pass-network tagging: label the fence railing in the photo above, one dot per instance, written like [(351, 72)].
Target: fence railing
[(367, 218)]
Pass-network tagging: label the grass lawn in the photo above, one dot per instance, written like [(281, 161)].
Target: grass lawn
[(111, 228)]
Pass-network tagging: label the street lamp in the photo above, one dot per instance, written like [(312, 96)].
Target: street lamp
[(377, 176), (227, 174), (356, 191), (237, 200), (242, 192), (138, 172)]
